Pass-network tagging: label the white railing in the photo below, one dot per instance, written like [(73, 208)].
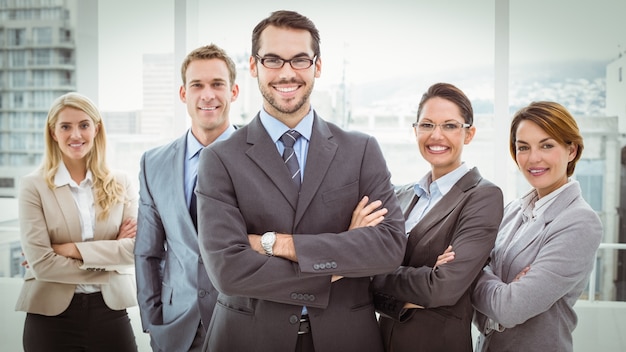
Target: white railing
[(592, 278)]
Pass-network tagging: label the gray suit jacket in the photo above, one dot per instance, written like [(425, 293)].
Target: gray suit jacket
[(244, 187), (467, 218), (560, 248), (173, 288)]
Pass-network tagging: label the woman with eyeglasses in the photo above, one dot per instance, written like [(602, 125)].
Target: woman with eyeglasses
[(77, 227), (547, 242), (423, 305)]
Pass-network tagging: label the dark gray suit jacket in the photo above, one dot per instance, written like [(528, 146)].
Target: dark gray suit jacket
[(467, 218), (244, 187), (173, 289)]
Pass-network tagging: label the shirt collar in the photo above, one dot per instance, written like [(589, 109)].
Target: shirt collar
[(62, 177), (276, 129), (444, 183), (194, 147), (533, 206)]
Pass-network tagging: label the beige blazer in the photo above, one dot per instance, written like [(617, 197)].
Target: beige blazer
[(51, 216)]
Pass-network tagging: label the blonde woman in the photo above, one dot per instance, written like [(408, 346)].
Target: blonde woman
[(77, 225)]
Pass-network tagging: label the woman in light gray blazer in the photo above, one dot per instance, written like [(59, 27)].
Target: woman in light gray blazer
[(546, 244)]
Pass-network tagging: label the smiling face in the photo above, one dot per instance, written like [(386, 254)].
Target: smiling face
[(208, 94), (286, 91), (442, 149), (541, 159), (74, 132)]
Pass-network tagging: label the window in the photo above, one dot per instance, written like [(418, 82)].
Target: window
[(65, 35), (18, 159), (40, 78), (42, 35), (39, 122), (18, 141), (37, 142), (42, 56), (17, 36), (18, 58), (65, 57), (589, 174), (18, 121), (18, 79), (18, 100)]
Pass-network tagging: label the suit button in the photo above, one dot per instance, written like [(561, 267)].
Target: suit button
[(294, 295), (316, 266), (202, 293), (293, 319), (334, 265)]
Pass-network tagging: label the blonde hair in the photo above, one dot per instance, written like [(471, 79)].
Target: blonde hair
[(107, 190)]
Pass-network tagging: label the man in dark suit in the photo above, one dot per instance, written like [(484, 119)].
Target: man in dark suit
[(303, 284), (176, 298)]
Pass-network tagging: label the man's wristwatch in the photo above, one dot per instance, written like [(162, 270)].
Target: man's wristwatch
[(267, 242)]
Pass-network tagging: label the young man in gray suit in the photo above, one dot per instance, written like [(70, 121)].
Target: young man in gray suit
[(304, 284), (176, 298)]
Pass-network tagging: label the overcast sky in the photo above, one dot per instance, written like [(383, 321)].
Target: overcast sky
[(374, 39)]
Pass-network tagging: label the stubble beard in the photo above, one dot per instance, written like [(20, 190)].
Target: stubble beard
[(284, 109)]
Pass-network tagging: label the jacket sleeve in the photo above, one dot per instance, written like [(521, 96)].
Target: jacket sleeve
[(44, 263), (149, 254), (564, 260), (475, 233), (112, 254), (381, 248)]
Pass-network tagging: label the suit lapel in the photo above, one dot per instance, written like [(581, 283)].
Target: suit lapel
[(67, 207), (407, 199), (536, 230), (174, 168), (320, 155), (264, 154), (442, 209)]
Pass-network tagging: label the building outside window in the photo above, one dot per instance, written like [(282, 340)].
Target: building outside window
[(42, 35)]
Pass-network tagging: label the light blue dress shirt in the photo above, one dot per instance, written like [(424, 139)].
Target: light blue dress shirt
[(430, 193), (276, 129), (192, 156)]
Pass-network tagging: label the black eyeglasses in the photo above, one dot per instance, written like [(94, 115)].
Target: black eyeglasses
[(297, 63), (445, 127)]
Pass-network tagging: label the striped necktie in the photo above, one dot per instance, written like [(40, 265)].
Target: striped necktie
[(289, 155)]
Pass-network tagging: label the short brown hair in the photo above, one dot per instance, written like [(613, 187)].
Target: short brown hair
[(556, 121), (286, 19), (207, 52)]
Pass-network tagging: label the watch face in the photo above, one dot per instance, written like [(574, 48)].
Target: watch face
[(267, 242)]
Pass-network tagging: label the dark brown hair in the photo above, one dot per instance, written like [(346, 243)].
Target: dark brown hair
[(451, 93), (286, 19)]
